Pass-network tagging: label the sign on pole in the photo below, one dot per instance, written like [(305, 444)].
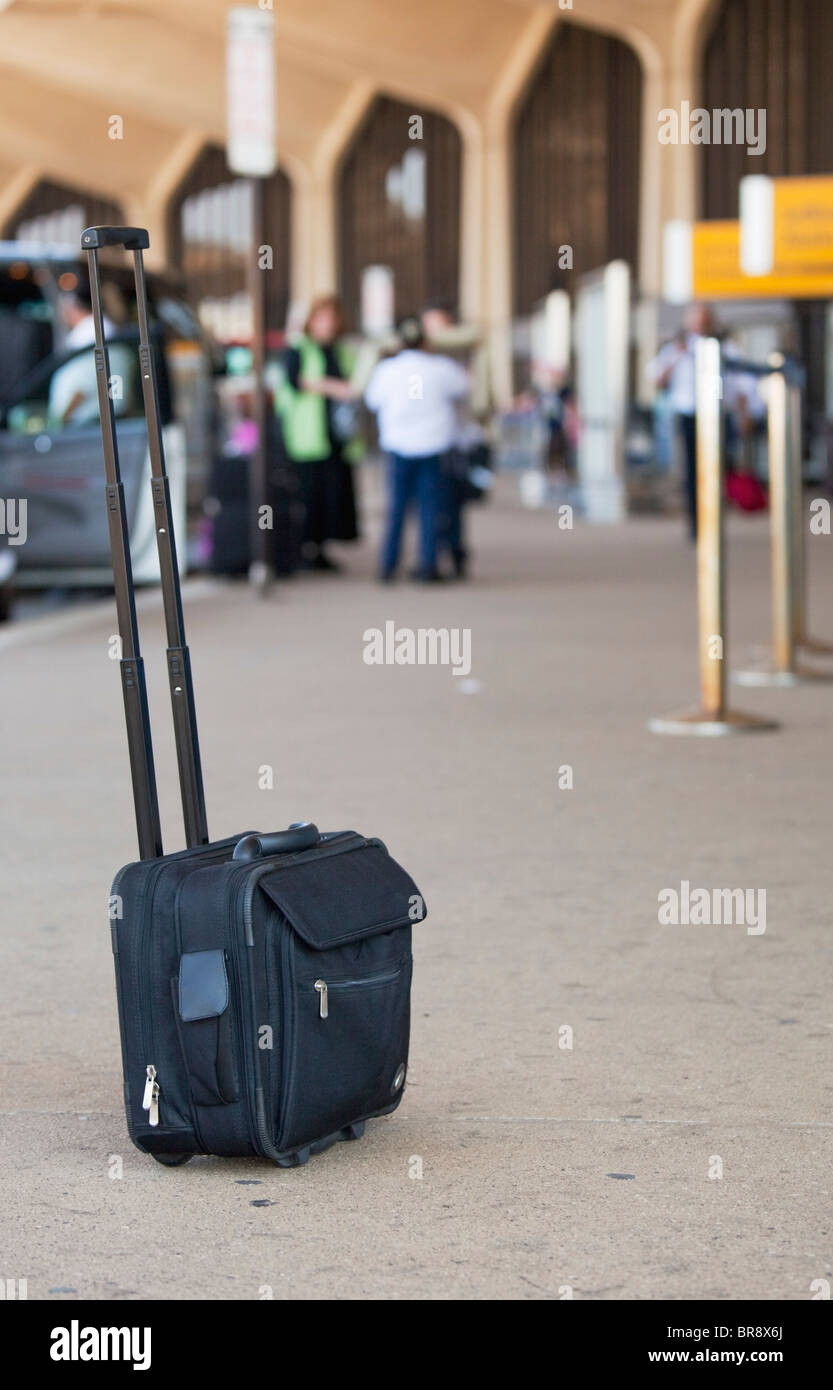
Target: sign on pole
[(250, 92)]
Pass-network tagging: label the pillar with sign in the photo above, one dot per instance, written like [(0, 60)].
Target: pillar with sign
[(251, 151)]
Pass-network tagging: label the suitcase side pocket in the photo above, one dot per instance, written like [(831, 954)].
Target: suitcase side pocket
[(206, 1028)]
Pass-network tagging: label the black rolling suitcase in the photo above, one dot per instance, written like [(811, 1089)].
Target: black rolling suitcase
[(227, 508), (229, 513), (263, 980)]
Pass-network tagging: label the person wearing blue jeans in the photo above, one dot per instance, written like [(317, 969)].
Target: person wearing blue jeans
[(415, 395), (412, 480)]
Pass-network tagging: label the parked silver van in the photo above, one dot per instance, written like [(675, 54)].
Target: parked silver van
[(50, 450)]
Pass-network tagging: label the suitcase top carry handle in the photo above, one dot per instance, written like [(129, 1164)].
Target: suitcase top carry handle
[(131, 238), (302, 835)]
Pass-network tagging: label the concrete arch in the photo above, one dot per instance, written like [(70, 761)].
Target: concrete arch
[(159, 194), (159, 200), (153, 206), (518, 72), (17, 190), (318, 218), (692, 21), (691, 27), (653, 65)]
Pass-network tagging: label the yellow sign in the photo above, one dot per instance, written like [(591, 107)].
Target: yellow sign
[(716, 257), (803, 225)]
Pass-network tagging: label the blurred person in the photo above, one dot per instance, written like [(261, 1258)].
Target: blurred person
[(317, 405), (673, 370), (73, 392), (749, 417), (415, 394), (469, 453), (76, 311), (559, 407), (747, 429)]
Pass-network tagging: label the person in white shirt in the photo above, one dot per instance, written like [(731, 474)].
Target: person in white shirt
[(414, 394), (73, 394), (673, 370)]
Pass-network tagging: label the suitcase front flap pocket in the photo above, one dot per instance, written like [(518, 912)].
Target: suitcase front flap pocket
[(341, 948), (346, 898), (205, 1026), (349, 1052)]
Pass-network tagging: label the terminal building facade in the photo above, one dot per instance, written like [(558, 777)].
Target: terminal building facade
[(463, 143)]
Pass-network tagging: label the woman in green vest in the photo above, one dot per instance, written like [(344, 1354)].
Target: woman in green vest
[(319, 418)]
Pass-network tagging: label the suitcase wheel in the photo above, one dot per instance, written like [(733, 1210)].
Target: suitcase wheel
[(301, 1156), (172, 1160)]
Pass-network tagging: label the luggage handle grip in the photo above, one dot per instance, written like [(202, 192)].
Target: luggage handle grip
[(131, 238), (300, 835)]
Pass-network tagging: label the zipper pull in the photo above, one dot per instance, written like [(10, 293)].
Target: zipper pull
[(151, 1077), (323, 1009), (150, 1100)]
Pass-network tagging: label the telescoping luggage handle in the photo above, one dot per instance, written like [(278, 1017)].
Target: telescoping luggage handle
[(143, 776)]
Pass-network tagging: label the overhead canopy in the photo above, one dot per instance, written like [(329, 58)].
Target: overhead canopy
[(66, 66)]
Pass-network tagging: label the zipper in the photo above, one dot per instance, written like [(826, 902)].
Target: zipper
[(323, 989), (150, 1100), (272, 1086), (142, 969), (329, 845), (323, 994), (249, 1109), (288, 1032), (141, 964)]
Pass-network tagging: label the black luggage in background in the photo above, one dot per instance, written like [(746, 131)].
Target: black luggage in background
[(263, 981), (227, 509)]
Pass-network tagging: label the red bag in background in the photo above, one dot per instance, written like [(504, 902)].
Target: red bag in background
[(746, 491)]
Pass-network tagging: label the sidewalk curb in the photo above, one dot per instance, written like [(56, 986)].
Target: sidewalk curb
[(76, 619)]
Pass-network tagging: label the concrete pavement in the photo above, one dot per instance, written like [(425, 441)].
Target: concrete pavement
[(544, 1168)]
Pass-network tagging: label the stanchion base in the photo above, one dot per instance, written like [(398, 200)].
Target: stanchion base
[(812, 644), (702, 723), (769, 676)]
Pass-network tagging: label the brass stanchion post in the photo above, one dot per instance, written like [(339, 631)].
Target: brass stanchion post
[(786, 531), (713, 718), (799, 612), (798, 615)]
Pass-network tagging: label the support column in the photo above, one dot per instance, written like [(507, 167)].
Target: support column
[(498, 301), (317, 261), (17, 190)]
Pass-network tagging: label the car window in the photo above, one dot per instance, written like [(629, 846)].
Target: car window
[(64, 395)]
